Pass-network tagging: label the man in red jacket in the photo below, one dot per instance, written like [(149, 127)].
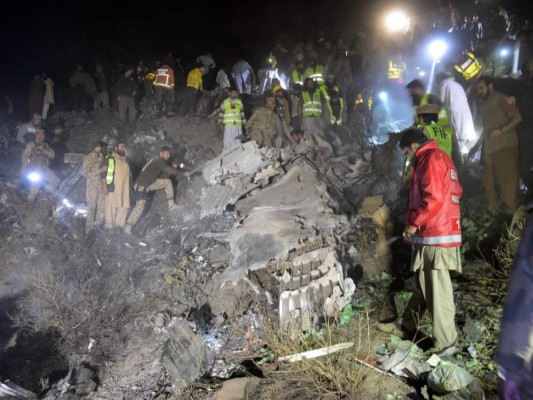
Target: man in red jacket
[(434, 230)]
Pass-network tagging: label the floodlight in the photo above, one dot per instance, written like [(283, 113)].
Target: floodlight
[(397, 21), (437, 49), (383, 96), (34, 177)]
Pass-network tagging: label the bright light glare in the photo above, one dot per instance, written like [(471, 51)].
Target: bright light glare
[(397, 21), (504, 52), (422, 73), (437, 49), (383, 96), (34, 177), (67, 203)]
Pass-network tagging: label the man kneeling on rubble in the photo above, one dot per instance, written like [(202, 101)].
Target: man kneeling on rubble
[(434, 231), (35, 160), (154, 176)]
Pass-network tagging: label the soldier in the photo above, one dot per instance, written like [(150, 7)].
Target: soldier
[(154, 176), (116, 183), (95, 197), (264, 125), (35, 159)]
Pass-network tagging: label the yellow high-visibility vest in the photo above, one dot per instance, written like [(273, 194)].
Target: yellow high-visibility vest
[(312, 107), (297, 78), (439, 135), (332, 118), (444, 120), (232, 116), (396, 71), (470, 66), (110, 171), (315, 74)]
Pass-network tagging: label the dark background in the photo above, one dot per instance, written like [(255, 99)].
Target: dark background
[(55, 37)]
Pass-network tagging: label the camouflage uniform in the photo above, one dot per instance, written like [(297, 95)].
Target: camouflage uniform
[(36, 157), (264, 126), (93, 195), (140, 202)]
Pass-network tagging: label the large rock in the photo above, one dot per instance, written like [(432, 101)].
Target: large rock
[(185, 355)]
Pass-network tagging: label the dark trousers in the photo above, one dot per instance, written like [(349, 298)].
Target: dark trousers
[(189, 101)]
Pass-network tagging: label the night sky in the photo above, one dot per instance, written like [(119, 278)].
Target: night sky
[(55, 37)]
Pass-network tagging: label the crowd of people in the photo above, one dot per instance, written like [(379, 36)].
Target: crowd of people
[(309, 92)]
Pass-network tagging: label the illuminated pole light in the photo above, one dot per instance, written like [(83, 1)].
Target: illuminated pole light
[(437, 49), (383, 96), (397, 21)]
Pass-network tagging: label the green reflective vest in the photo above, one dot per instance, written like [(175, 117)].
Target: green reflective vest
[(469, 67), (312, 107), (315, 74), (297, 78), (232, 116), (110, 171), (333, 119), (443, 122), (324, 90), (439, 135)]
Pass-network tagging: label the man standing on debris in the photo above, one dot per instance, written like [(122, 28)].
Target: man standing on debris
[(164, 86), (514, 355), (35, 160), (92, 168), (312, 122), (434, 230), (500, 145), (154, 176), (126, 89), (116, 184), (192, 92), (231, 116), (26, 132), (264, 125)]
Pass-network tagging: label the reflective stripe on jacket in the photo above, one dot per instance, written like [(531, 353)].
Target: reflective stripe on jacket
[(297, 78), (315, 73), (164, 77), (470, 67), (110, 174), (434, 198), (312, 107), (332, 118), (232, 115)]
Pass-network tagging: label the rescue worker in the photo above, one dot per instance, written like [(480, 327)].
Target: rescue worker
[(36, 96), (231, 116), (192, 92), (244, 77), (456, 104), (164, 86), (48, 95), (428, 116), (329, 86), (335, 116), (82, 85), (420, 98), (500, 145), (116, 186), (92, 168), (314, 70), (397, 69), (126, 89), (434, 231), (312, 122), (264, 125), (206, 60), (298, 74), (154, 176), (468, 66), (283, 111), (35, 159), (296, 109)]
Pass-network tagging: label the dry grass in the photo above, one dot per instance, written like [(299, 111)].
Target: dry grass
[(335, 374)]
